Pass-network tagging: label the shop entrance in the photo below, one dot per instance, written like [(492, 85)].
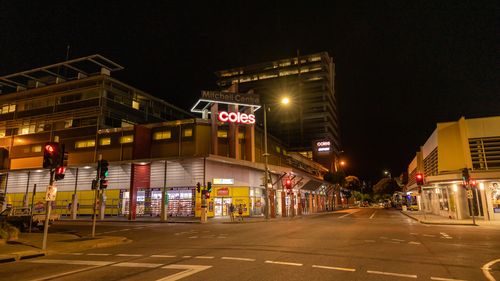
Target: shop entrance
[(222, 206)]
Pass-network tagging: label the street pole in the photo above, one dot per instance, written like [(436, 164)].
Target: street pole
[(31, 209), (48, 207), (266, 168), (469, 188), (96, 194)]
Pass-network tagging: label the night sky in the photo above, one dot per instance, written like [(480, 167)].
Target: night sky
[(402, 66)]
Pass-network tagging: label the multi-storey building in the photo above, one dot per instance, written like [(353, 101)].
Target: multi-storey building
[(153, 150), (472, 144), (309, 82)]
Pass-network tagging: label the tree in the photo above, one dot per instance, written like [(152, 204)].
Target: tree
[(386, 186), (352, 183)]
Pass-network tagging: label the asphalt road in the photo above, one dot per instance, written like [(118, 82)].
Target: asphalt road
[(354, 244)]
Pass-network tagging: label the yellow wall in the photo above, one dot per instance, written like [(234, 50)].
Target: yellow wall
[(63, 199), (451, 154)]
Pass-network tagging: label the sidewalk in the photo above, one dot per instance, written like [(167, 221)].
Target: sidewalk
[(29, 245), (435, 219)]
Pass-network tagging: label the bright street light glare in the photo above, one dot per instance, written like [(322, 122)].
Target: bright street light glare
[(285, 100)]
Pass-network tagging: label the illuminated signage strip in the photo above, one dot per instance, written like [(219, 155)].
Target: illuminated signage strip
[(223, 181), (236, 117), (241, 98), (208, 102)]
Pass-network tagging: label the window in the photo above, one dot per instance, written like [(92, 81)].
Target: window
[(278, 149), (127, 139), (36, 148), (105, 141), (135, 105), (6, 108), (2, 133), (85, 143), (68, 123), (222, 134), (162, 135), (187, 132), (241, 135)]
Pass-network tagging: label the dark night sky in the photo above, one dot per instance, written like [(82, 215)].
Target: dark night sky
[(402, 66)]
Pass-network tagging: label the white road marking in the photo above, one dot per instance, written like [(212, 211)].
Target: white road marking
[(73, 254), (486, 269), (398, 240), (58, 275), (334, 268), (414, 243), (392, 274), (204, 257), (237, 259), (78, 262), (162, 256), (97, 254), (186, 257), (429, 235), (128, 255), (348, 214), (446, 279), (370, 241), (193, 237), (371, 217), (284, 263), (138, 264), (393, 242), (188, 270), (383, 237), (126, 229), (413, 233)]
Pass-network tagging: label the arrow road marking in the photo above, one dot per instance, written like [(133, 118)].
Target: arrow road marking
[(188, 270), (486, 269)]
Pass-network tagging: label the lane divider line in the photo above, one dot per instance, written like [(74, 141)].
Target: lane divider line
[(392, 274), (237, 259), (334, 268), (97, 254), (204, 257), (284, 263), (446, 279), (162, 256), (76, 262), (129, 255), (371, 217), (138, 264)]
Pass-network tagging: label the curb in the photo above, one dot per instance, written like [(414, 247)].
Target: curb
[(436, 223)]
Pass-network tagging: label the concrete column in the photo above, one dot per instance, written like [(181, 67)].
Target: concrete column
[(214, 112), (234, 144), (250, 140)]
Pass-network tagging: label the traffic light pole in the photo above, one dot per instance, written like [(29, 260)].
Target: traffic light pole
[(203, 207), (48, 207), (96, 194)]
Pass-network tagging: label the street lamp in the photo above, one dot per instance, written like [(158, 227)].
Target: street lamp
[(387, 173), (285, 101)]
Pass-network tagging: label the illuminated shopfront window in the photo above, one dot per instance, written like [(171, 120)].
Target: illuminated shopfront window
[(162, 135), (105, 141), (127, 139), (85, 143)]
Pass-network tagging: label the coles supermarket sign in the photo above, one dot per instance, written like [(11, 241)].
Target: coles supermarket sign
[(236, 117)]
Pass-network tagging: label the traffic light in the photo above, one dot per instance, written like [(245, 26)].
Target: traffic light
[(51, 155), (59, 173), (419, 178), (472, 183), (198, 187), (206, 194), (63, 156), (103, 184), (103, 169), (94, 184), (465, 176), (209, 187), (288, 183)]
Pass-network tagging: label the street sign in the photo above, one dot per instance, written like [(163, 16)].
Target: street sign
[(469, 194), (51, 193)]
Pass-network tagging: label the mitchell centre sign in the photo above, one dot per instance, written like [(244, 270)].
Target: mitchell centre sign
[(231, 98)]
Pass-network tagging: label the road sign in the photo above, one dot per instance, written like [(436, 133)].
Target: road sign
[(51, 193), (469, 194)]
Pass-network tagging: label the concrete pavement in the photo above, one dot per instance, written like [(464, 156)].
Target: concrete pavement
[(435, 219)]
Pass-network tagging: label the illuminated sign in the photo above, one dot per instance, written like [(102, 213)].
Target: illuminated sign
[(236, 117), (237, 98), (223, 181), (323, 146)]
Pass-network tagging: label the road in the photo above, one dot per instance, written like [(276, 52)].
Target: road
[(353, 244)]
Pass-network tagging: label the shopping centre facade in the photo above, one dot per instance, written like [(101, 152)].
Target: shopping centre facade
[(472, 144), (154, 148)]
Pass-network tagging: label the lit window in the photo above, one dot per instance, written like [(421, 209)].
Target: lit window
[(2, 133), (127, 139), (135, 105), (162, 135), (278, 149), (85, 143), (25, 130), (12, 108), (315, 59), (241, 135), (222, 134), (284, 152), (36, 148), (187, 132), (105, 141), (68, 123)]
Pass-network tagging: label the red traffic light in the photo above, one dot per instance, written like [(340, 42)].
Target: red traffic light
[(419, 177), (60, 170), (472, 182), (50, 148), (288, 183)]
